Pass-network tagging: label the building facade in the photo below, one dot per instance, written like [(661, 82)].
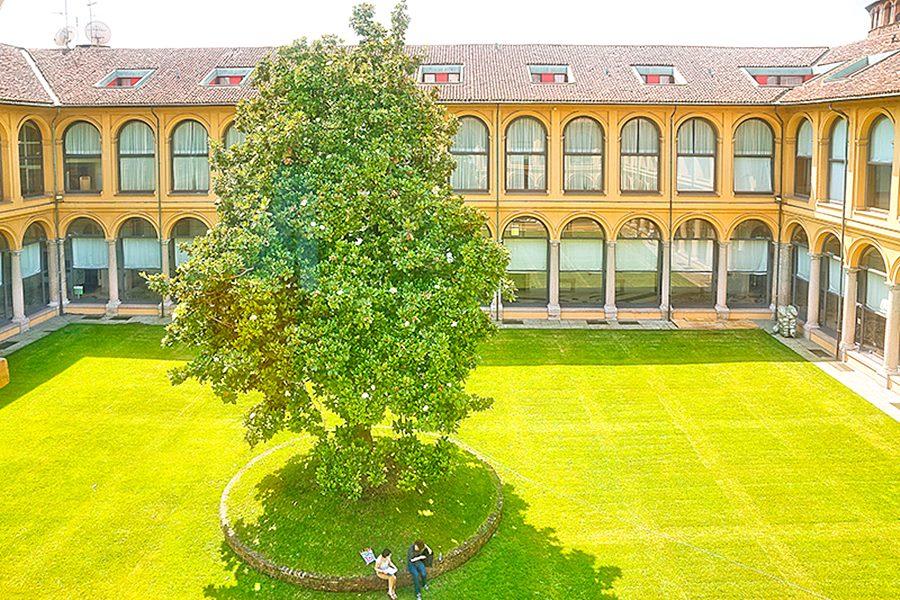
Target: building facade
[(628, 182)]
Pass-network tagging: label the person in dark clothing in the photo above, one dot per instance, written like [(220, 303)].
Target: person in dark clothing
[(418, 557)]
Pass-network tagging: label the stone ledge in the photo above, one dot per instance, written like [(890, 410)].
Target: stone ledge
[(359, 583)]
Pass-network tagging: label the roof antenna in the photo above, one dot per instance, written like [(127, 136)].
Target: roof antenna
[(66, 34), (98, 33)]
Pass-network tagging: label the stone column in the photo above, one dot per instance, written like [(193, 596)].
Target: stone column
[(60, 250), (18, 292), (892, 331), (665, 289), (784, 274), (722, 283), (812, 296), (610, 308), (848, 319), (166, 269), (113, 306), (553, 307), (53, 272)]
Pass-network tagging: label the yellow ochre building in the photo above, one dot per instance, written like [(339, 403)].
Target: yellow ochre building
[(628, 182)]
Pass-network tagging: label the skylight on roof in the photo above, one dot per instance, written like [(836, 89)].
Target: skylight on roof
[(550, 73), (227, 76), (124, 79), (780, 76), (440, 74), (659, 74), (858, 65)]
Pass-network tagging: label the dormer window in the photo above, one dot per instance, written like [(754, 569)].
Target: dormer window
[(659, 75), (858, 65), (550, 73), (227, 76), (124, 79), (780, 76), (440, 73)]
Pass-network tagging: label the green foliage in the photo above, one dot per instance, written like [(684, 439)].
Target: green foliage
[(344, 276)]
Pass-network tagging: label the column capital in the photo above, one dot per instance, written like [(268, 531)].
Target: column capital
[(611, 243), (851, 270), (552, 242), (17, 253), (815, 255), (723, 244), (893, 287)]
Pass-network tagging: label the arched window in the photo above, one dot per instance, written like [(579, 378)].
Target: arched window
[(871, 302), (190, 158), (6, 311), (31, 160), (696, 156), (800, 268), (139, 252), (183, 234), (754, 157), (583, 155), (470, 150), (837, 161), (876, 18), (581, 258), (233, 136), (638, 265), (82, 156), (526, 155), (694, 258), (831, 286), (33, 266), (87, 262), (526, 238), (750, 266), (137, 158), (889, 14), (881, 161), (803, 160), (640, 156)]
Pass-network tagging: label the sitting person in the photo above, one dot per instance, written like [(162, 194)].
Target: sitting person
[(418, 557), (385, 569)]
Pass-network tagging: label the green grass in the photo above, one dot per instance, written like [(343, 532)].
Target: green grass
[(636, 465), (277, 510)]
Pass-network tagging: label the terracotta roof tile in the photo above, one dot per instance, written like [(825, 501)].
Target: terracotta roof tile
[(18, 81)]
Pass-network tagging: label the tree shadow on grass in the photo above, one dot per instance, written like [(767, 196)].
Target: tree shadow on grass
[(519, 561)]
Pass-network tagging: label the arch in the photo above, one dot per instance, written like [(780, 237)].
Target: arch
[(182, 235), (617, 230), (872, 299), (859, 247), (697, 149), (711, 219), (750, 264), (232, 135), (123, 220), (138, 252), (34, 267), (584, 154), (826, 237), (170, 224), (8, 237), (638, 264), (44, 224), (30, 139), (86, 261), (526, 151), (772, 226), (640, 152), (66, 221), (189, 157), (879, 163), (531, 215), (803, 157), (604, 226), (694, 259), (790, 227), (582, 259), (838, 152), (82, 157), (528, 242), (471, 149), (136, 157)]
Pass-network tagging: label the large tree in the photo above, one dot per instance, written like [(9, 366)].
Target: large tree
[(344, 281)]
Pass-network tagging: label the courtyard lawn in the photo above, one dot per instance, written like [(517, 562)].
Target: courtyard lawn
[(637, 465)]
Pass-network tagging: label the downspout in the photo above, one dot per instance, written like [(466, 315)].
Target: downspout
[(840, 323), (159, 218), (672, 163), (779, 200), (60, 255), (497, 233)]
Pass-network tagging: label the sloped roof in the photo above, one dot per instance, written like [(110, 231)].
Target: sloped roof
[(18, 82)]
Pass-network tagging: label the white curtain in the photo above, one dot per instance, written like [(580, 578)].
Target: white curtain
[(748, 256), (234, 136), (837, 167), (752, 174), (515, 172), (137, 163), (141, 253), (470, 148), (803, 263), (881, 142), (82, 138), (754, 151), (526, 254), (805, 140), (190, 161), (696, 173), (581, 255), (89, 253), (835, 272), (877, 292), (584, 172), (526, 134), (472, 136), (30, 260), (182, 250), (584, 135), (637, 255), (693, 255), (640, 136)]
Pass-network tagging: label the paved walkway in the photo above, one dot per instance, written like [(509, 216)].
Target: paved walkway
[(885, 400)]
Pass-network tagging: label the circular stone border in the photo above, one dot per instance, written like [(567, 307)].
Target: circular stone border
[(355, 583)]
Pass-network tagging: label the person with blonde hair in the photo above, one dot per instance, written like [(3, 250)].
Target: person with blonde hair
[(386, 570)]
